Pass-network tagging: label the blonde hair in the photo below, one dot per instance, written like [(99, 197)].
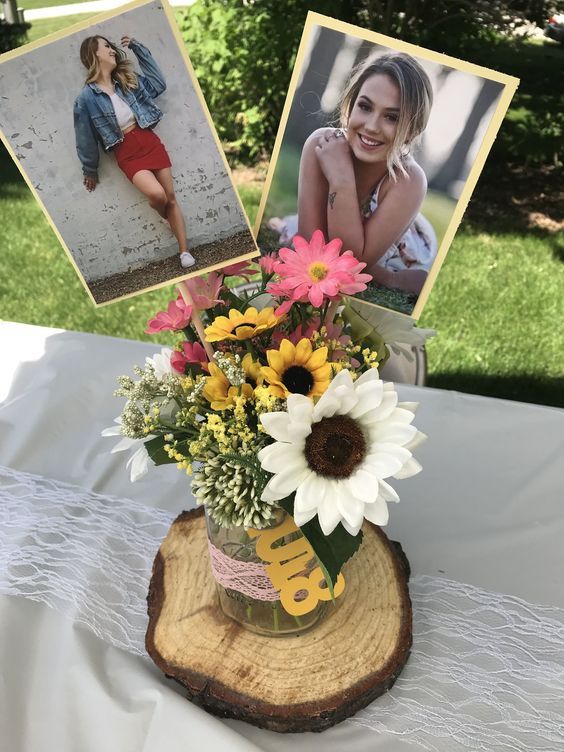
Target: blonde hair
[(124, 73), (416, 99)]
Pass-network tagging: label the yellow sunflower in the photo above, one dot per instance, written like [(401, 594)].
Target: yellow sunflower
[(297, 369), (241, 326), (220, 393)]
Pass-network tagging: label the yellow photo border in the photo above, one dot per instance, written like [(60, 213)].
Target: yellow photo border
[(81, 26), (510, 84)]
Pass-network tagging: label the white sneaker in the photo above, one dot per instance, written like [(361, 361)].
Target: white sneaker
[(186, 260)]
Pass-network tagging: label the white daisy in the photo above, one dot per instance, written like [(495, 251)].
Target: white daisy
[(138, 463), (161, 363), (335, 454)]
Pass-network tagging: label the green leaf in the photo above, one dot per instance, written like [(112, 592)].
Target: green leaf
[(156, 452), (332, 550)]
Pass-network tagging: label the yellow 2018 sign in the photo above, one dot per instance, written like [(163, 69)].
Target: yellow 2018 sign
[(286, 566)]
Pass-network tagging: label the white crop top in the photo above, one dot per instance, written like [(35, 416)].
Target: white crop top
[(124, 113)]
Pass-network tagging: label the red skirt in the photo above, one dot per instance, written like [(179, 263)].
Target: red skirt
[(141, 149)]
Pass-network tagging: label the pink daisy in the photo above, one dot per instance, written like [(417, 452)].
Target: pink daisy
[(192, 352), (315, 272), (177, 316), (268, 262), (205, 290), (240, 269)]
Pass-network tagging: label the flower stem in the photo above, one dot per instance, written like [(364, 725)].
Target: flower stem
[(196, 318), (332, 310)]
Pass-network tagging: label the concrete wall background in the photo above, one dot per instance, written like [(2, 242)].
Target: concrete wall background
[(113, 229)]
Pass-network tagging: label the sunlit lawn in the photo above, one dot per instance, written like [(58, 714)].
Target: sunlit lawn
[(497, 305), (42, 28)]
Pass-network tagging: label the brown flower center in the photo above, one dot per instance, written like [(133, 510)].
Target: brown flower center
[(335, 447), (298, 380)]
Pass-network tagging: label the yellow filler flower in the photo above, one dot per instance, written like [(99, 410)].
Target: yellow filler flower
[(297, 369), (240, 326)]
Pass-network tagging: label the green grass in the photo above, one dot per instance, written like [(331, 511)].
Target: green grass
[(33, 4), (38, 285), (497, 306), (46, 26)]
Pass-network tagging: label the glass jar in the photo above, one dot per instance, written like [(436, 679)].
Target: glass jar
[(246, 593)]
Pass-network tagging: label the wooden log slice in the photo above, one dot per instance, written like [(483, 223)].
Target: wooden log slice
[(305, 682)]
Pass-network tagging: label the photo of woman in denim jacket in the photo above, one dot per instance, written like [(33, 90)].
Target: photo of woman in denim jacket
[(116, 109)]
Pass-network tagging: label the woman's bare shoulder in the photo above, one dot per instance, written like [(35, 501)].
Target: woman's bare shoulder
[(414, 182)]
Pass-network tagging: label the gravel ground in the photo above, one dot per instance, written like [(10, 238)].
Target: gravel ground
[(169, 269)]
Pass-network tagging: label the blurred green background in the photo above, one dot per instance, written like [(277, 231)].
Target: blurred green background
[(498, 302)]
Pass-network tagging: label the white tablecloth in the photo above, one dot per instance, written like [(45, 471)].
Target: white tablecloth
[(486, 512)]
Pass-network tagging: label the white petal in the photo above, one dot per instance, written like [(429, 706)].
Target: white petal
[(310, 494), (368, 377), (411, 467), (402, 415), (370, 397), (139, 463), (300, 518), (418, 439), (276, 425), (328, 514), (350, 509), (299, 433), (386, 459), (392, 433), (300, 408), (112, 431), (363, 485), (384, 409), (349, 528), (387, 492), (278, 456), (377, 512), (411, 406), (124, 445), (282, 484), (343, 378), (326, 407), (348, 399)]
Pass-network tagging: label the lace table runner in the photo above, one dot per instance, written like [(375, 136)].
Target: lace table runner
[(486, 670)]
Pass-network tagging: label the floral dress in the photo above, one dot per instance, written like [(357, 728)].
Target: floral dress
[(417, 247)]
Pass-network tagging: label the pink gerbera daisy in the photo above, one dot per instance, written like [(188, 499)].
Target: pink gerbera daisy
[(176, 317), (316, 272)]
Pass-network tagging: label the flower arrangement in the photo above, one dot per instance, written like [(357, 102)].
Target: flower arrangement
[(272, 399)]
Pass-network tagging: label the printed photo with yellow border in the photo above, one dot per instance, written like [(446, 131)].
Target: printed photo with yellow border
[(381, 144), (109, 128)]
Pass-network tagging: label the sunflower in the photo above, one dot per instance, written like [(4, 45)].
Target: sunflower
[(336, 454), (297, 369), (219, 391), (240, 326)]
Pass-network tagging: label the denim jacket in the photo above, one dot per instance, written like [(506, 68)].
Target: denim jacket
[(95, 119)]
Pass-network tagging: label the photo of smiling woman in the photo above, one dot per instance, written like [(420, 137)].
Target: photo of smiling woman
[(116, 110), (380, 145), (359, 182)]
